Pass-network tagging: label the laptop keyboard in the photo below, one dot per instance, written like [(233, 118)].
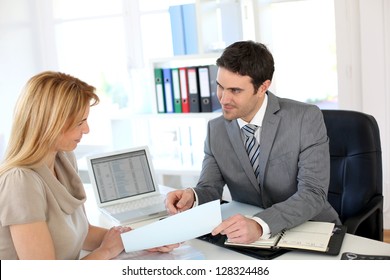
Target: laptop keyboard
[(136, 204)]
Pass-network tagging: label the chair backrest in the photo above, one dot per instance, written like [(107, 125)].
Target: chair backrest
[(356, 163)]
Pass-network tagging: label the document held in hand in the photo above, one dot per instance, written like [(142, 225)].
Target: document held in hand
[(174, 229)]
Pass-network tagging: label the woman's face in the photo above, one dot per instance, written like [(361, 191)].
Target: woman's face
[(69, 139)]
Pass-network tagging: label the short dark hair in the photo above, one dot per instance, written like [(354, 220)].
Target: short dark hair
[(248, 58)]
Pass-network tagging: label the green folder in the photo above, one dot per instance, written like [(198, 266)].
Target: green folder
[(158, 79), (176, 90)]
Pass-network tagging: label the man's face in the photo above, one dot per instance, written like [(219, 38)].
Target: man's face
[(237, 96)]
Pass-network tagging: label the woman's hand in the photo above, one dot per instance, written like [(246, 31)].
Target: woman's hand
[(165, 249), (111, 245), (112, 241)]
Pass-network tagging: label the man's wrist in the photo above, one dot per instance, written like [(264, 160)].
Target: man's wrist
[(195, 196), (266, 234)]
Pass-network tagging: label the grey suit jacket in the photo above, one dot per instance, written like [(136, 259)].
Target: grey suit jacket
[(294, 165)]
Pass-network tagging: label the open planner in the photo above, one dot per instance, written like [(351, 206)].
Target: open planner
[(311, 235), (317, 237)]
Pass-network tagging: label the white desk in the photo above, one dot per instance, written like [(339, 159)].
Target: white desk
[(352, 243)]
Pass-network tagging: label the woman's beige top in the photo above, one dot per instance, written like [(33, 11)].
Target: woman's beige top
[(36, 195)]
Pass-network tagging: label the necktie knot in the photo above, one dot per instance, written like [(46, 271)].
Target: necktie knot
[(249, 129)]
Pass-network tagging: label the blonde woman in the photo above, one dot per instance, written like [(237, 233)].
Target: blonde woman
[(41, 195)]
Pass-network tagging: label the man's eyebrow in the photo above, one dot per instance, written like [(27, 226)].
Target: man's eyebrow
[(231, 88)]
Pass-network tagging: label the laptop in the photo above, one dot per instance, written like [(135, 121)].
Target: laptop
[(124, 185)]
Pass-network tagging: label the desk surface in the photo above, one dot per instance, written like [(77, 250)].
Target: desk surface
[(352, 243)]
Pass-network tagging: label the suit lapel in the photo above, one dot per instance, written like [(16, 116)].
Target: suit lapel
[(234, 133), (268, 132), (267, 138)]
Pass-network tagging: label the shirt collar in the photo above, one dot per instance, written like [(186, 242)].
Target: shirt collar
[(258, 118)]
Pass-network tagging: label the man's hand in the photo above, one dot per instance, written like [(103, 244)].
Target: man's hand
[(239, 229), (180, 200)]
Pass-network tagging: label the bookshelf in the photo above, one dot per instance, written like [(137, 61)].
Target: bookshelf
[(195, 82), (176, 139)]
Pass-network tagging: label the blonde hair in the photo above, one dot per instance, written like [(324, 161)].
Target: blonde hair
[(50, 104)]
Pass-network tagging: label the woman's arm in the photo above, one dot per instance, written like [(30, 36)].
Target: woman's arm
[(107, 243), (94, 238), (33, 241), (104, 243)]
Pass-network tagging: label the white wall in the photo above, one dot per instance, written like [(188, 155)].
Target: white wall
[(363, 49), (20, 55)]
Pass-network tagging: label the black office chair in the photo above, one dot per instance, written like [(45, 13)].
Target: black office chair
[(355, 189)]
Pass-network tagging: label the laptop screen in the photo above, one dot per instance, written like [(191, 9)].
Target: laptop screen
[(122, 175)]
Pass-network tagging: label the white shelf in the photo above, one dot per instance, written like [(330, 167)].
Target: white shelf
[(186, 60), (206, 116)]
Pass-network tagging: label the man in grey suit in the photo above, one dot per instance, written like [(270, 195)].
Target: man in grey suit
[(284, 169)]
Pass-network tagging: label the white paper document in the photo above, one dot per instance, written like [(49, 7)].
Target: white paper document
[(177, 228)]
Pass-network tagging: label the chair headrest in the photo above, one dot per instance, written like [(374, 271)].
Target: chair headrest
[(351, 132)]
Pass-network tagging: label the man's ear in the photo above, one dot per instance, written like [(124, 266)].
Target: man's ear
[(264, 87)]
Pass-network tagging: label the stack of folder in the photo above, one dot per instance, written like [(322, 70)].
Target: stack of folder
[(184, 29), (186, 89)]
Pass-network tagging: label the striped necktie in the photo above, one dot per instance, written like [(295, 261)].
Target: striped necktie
[(252, 147)]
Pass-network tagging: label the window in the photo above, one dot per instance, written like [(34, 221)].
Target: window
[(110, 44), (90, 44), (301, 36)]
